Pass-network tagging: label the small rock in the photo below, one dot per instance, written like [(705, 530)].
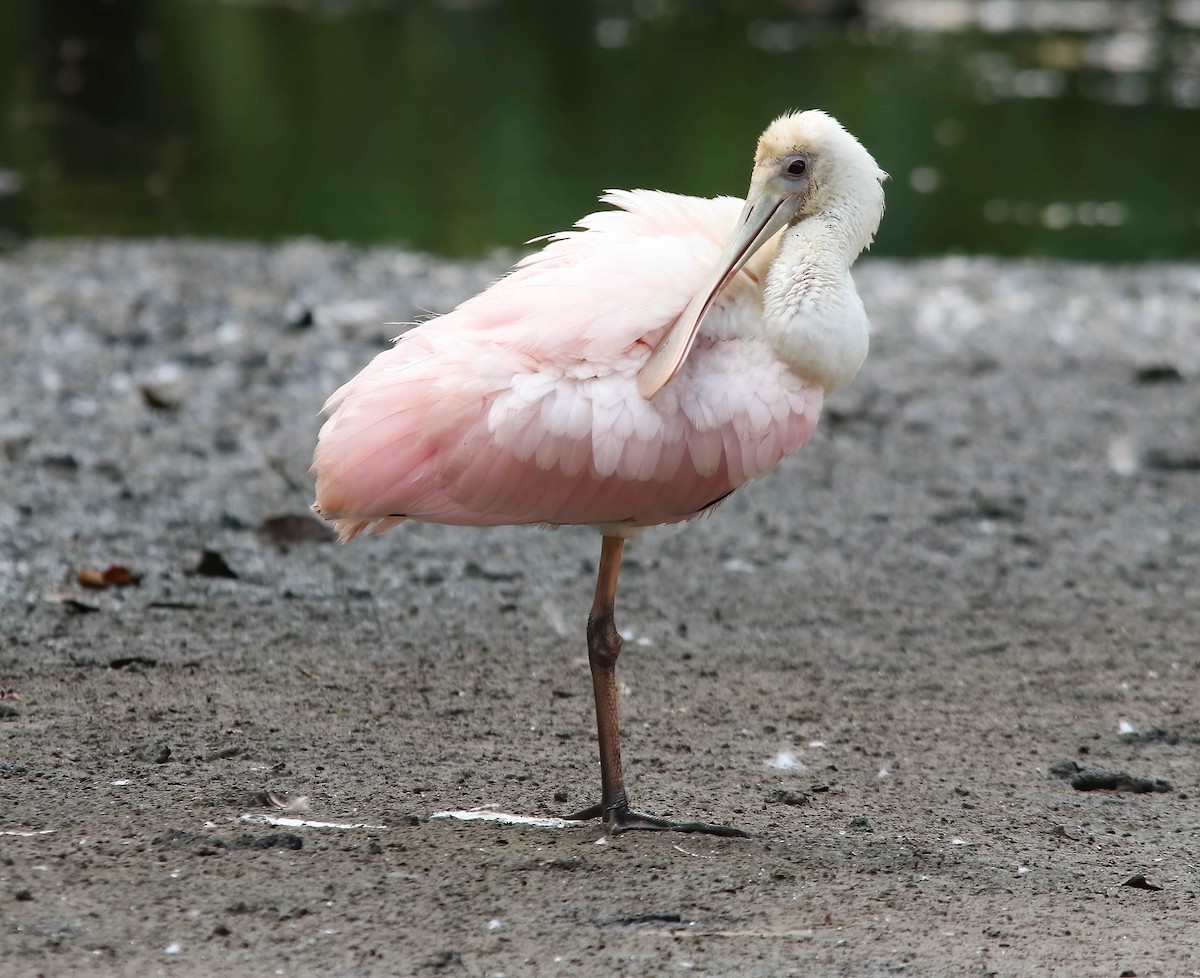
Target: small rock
[(1097, 779), (212, 564), (160, 397), (782, 796), (473, 569), (152, 753), (1158, 373), (1171, 459), (136, 662), (276, 840), (1064, 769), (283, 531)]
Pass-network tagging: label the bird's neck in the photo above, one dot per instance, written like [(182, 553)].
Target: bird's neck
[(812, 315)]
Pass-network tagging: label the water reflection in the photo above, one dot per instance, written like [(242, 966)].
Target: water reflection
[(1063, 127)]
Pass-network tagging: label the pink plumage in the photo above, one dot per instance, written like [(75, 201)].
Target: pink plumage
[(635, 371), (521, 405)]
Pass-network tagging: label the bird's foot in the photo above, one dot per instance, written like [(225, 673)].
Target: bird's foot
[(621, 818)]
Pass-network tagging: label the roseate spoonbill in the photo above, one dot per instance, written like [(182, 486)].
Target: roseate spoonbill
[(630, 373)]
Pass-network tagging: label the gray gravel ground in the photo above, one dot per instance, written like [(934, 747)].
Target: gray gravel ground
[(896, 661)]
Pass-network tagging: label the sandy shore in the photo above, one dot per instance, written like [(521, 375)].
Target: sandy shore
[(896, 662)]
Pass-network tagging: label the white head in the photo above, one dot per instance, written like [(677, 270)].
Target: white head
[(807, 167)]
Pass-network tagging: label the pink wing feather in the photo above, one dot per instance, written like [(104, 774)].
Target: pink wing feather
[(521, 405)]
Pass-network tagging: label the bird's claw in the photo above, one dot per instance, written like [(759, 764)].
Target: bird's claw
[(621, 818)]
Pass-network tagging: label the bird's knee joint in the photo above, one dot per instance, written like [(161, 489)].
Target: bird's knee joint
[(604, 641)]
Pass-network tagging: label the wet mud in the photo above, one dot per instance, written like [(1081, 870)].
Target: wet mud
[(223, 738)]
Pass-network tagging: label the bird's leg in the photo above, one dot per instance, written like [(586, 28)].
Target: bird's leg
[(604, 647)]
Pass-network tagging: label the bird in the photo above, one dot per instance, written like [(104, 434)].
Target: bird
[(632, 372)]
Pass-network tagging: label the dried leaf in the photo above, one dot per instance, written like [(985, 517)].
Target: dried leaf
[(91, 577), (120, 576), (114, 575), (1139, 882)]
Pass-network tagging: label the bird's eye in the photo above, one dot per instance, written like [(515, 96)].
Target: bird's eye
[(796, 167)]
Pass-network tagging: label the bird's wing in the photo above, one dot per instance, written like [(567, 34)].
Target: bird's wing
[(521, 405), (619, 278)]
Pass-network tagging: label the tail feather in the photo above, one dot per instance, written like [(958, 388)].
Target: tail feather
[(347, 529)]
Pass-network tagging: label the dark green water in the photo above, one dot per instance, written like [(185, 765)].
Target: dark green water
[(456, 127)]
